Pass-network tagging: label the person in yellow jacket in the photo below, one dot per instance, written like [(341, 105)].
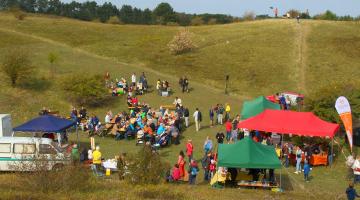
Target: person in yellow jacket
[(227, 112), (97, 160)]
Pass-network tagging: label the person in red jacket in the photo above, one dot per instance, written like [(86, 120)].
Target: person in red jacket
[(189, 150), (176, 173), (228, 127)]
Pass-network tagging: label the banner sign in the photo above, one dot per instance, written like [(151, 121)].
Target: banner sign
[(343, 108)]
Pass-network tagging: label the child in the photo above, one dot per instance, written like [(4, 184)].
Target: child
[(351, 192), (306, 171), (212, 167), (176, 173)]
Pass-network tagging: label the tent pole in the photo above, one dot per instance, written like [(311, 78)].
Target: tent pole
[(332, 151), (281, 145), (77, 135)]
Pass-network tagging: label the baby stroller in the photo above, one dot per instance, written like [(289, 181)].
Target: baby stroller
[(140, 137)]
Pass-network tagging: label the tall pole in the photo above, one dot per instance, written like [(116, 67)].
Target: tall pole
[(226, 83), (282, 142)]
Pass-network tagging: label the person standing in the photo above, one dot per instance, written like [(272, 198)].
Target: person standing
[(298, 160), (186, 117), (298, 19), (356, 169), (193, 171), (306, 170), (351, 192), (189, 150), (208, 145), (227, 111), (286, 154), (205, 162), (220, 137), (185, 85), (75, 154), (97, 160), (349, 163), (220, 114), (133, 79), (228, 128), (211, 115), (197, 118), (181, 162)]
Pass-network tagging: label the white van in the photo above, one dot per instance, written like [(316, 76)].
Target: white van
[(30, 154)]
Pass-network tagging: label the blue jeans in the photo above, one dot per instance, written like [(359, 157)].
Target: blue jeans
[(228, 135), (306, 177), (330, 159), (286, 161), (357, 179), (192, 179), (298, 164)]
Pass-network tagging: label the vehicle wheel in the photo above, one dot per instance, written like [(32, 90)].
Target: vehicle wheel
[(57, 167)]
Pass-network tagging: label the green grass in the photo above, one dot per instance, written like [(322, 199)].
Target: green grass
[(261, 57)]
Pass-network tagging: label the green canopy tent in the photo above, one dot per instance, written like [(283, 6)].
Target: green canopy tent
[(257, 106), (248, 154)]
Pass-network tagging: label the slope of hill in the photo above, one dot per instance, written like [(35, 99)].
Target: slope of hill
[(261, 57)]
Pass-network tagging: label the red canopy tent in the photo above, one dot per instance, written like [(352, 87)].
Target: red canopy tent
[(290, 122)]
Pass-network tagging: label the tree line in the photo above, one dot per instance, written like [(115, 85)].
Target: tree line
[(163, 14)]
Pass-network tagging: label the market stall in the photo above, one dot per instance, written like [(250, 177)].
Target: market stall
[(257, 106), (247, 154)]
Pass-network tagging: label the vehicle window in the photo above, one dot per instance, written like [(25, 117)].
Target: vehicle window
[(46, 149), (5, 148), (24, 148)]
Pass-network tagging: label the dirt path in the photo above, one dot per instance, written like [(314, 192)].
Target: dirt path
[(302, 30), (139, 66)]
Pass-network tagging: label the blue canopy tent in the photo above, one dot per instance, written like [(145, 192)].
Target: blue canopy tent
[(46, 124)]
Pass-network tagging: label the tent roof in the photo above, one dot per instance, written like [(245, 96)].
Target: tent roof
[(257, 106), (248, 154), (45, 123), (290, 122)]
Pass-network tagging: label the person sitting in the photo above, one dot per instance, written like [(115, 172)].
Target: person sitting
[(161, 129), (176, 173), (44, 111), (82, 113)]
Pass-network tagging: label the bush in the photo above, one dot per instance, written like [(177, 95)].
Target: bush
[(172, 24), (182, 42), (114, 20), (18, 13), (328, 15), (294, 13), (197, 21), (212, 21), (146, 167), (249, 16), (86, 90), (322, 101), (16, 66)]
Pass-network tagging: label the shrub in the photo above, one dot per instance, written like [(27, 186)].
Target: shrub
[(322, 101), (249, 16), (114, 20), (172, 24), (86, 90), (18, 13), (294, 13), (328, 15), (182, 42), (146, 167), (17, 65), (212, 21), (197, 21)]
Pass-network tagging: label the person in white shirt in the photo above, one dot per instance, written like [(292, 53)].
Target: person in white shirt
[(108, 118), (356, 169), (177, 102), (349, 163), (197, 119), (90, 154), (133, 79)]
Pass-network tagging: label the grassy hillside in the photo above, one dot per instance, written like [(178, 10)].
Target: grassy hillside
[(261, 57)]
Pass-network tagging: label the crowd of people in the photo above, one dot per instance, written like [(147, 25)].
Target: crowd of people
[(122, 86)]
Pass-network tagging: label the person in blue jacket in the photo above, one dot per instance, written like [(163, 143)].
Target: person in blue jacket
[(351, 192)]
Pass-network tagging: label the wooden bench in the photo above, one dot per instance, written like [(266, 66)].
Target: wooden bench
[(170, 107)]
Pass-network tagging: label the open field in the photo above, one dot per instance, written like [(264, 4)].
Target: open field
[(261, 57)]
